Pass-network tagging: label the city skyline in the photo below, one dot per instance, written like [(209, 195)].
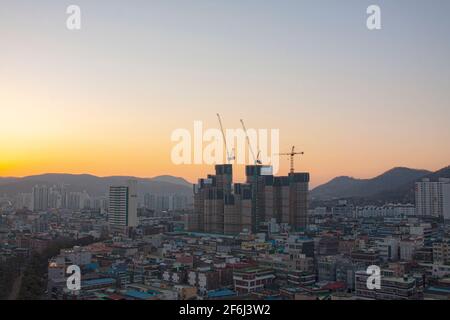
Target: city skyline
[(237, 178), (224, 158), (105, 99)]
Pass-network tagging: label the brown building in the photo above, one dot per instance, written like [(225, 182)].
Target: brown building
[(222, 208)]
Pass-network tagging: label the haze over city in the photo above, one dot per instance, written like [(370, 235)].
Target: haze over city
[(105, 99)]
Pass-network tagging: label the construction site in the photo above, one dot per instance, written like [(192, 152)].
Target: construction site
[(263, 203)]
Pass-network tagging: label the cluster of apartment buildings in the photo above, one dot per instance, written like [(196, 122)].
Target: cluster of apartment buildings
[(43, 197), (222, 207), (163, 202)]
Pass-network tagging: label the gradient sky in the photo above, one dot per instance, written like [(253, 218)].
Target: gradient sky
[(105, 99)]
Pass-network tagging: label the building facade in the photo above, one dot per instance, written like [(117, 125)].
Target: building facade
[(430, 197), (226, 208), (123, 205)]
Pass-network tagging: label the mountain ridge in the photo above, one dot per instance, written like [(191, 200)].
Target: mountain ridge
[(95, 185), (395, 179)]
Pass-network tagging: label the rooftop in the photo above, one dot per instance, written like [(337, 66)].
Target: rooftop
[(95, 282), (139, 295)]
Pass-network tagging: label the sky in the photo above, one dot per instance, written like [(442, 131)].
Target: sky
[(105, 99)]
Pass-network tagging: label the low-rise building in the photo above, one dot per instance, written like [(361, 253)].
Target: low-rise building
[(252, 279)]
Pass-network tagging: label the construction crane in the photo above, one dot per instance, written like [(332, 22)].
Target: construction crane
[(291, 154), (255, 159), (230, 156)]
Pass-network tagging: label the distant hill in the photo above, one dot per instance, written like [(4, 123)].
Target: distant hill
[(95, 186), (395, 181), (172, 179), (442, 173), (405, 193)]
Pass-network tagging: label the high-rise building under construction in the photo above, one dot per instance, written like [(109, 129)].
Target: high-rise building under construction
[(226, 208)]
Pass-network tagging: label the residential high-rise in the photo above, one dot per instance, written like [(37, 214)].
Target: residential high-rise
[(74, 200), (210, 195), (291, 199), (54, 198), (24, 200), (222, 208), (281, 199), (237, 210), (446, 201), (150, 201), (260, 183), (123, 205), (217, 190), (430, 197), (39, 198), (298, 199)]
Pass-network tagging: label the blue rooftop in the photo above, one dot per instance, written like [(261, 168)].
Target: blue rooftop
[(138, 294), (221, 293), (96, 282), (91, 266), (273, 298), (436, 289)]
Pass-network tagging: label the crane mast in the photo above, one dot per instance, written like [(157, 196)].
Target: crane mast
[(255, 159), (230, 157), (291, 154)]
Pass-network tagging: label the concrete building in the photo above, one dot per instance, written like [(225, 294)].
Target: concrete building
[(430, 197), (210, 195), (296, 245), (446, 201), (388, 249), (392, 288), (326, 268), (39, 198), (220, 207), (367, 257), (123, 205), (408, 247), (252, 279), (441, 251), (298, 200)]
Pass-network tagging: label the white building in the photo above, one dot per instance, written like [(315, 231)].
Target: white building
[(123, 205), (388, 210)]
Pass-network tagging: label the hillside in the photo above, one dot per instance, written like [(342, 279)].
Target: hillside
[(392, 181)]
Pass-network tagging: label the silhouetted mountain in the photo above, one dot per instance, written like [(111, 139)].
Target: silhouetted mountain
[(391, 181), (172, 179), (442, 173), (95, 185), (405, 193)]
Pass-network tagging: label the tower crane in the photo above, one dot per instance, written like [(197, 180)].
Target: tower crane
[(255, 159), (291, 154), (230, 156)]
